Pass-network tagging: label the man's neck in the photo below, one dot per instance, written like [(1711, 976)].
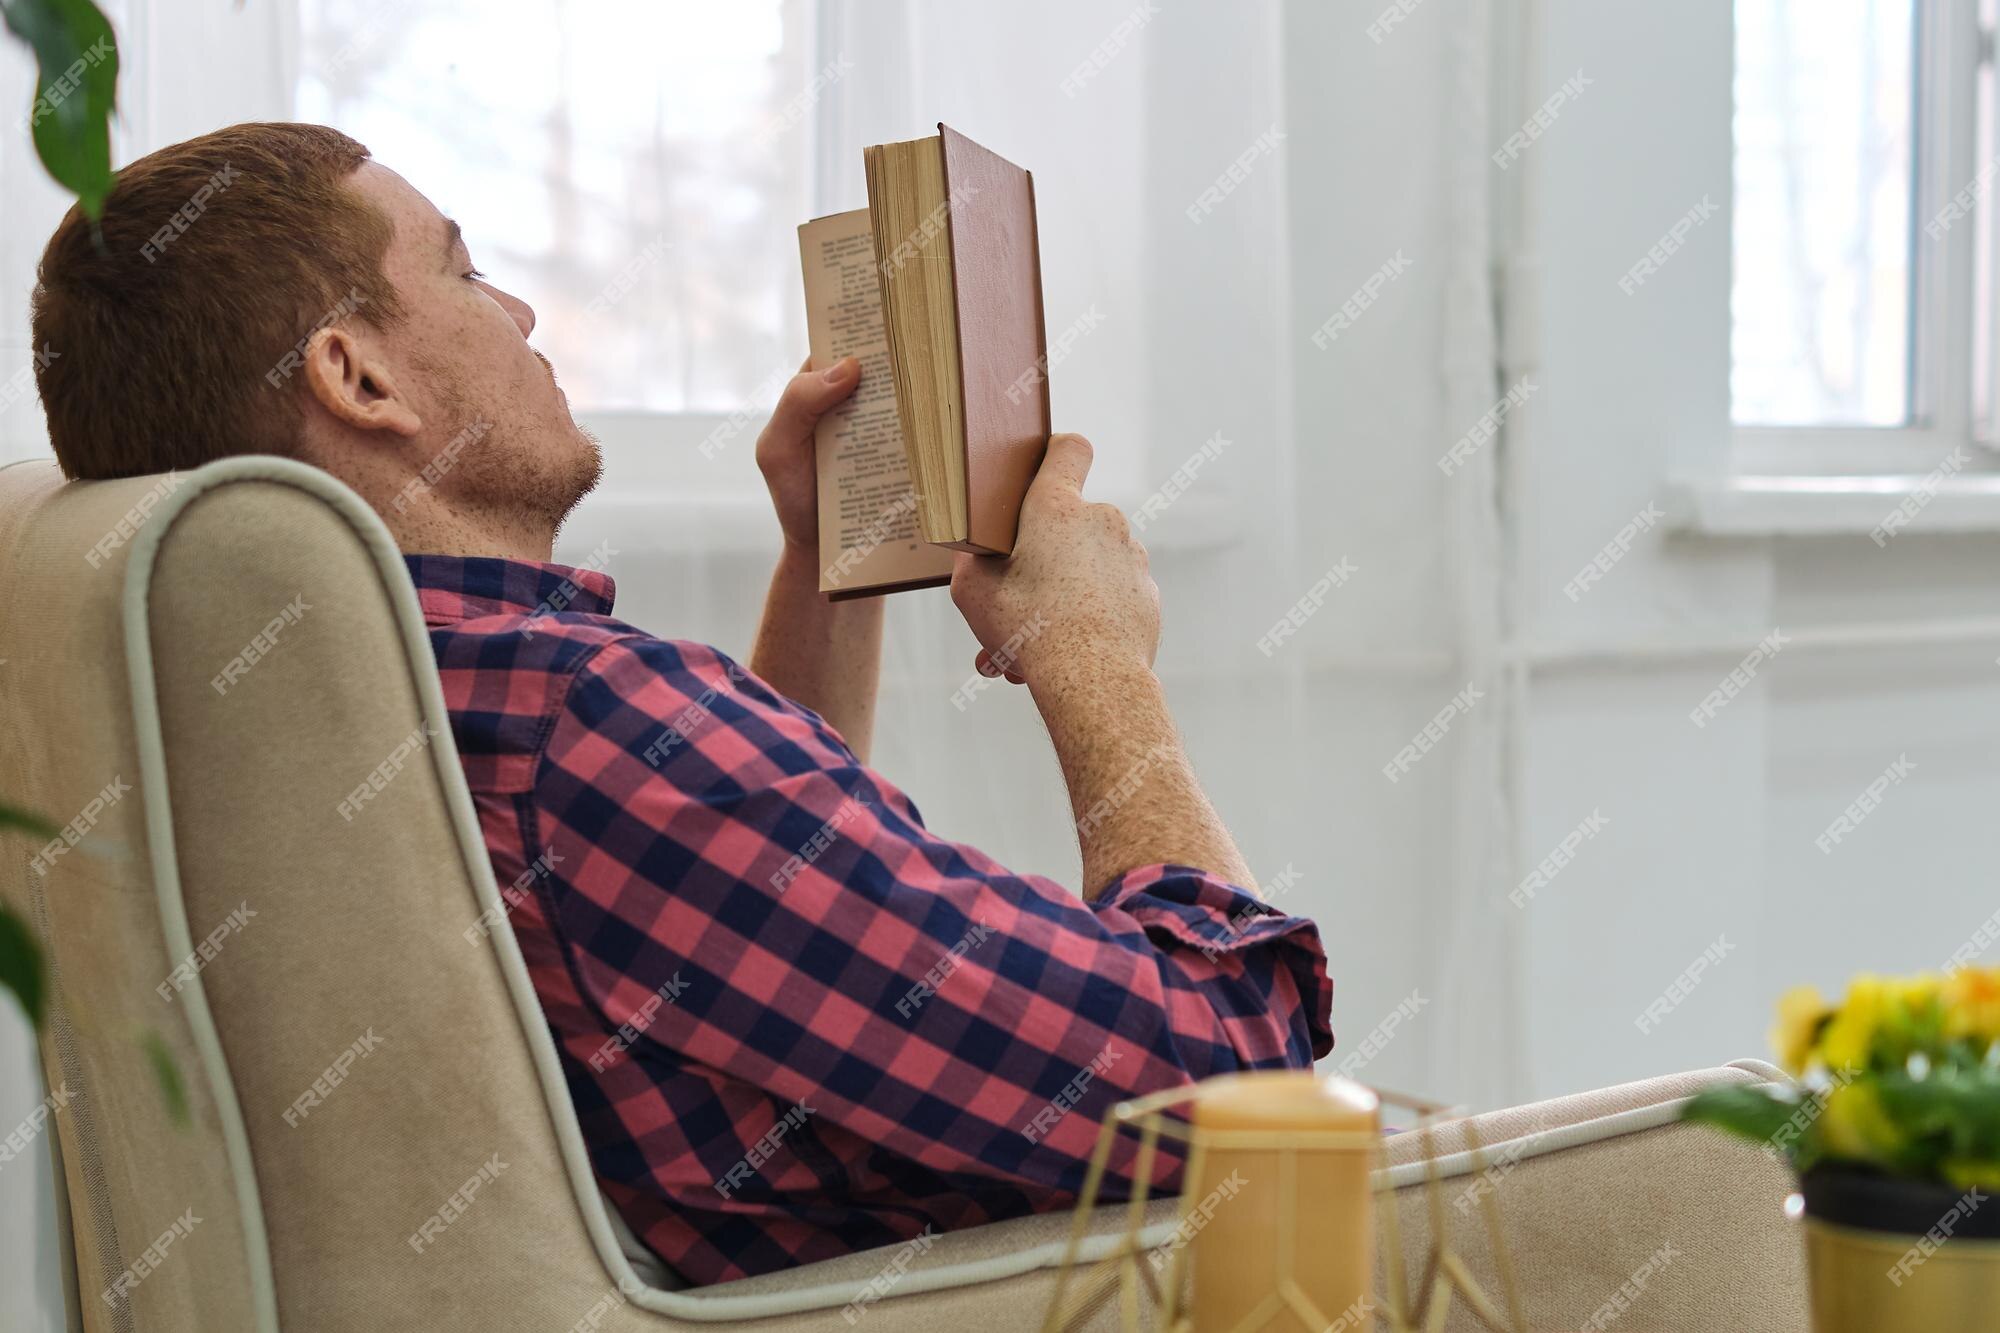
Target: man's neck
[(422, 525)]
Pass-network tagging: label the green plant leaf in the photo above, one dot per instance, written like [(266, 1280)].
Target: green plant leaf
[(76, 89), (10, 818), (21, 969), (168, 1074), (1949, 1113), (21, 965), (1747, 1112)]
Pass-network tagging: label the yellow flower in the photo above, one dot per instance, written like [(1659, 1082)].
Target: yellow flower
[(1915, 995), (1971, 997), (1912, 1019), (1855, 1128), (1849, 1039), (1800, 1010)]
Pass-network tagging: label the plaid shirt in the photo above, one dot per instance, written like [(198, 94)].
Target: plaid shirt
[(796, 1023)]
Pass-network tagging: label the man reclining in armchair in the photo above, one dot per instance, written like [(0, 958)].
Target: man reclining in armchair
[(794, 1021)]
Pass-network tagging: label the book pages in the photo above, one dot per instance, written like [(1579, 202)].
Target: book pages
[(868, 534)]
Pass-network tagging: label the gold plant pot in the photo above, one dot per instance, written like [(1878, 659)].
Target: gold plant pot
[(1899, 1256), (1855, 1286)]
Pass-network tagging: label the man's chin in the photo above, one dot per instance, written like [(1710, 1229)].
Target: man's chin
[(591, 461), (587, 469)]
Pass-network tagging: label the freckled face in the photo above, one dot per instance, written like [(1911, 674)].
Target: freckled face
[(462, 356)]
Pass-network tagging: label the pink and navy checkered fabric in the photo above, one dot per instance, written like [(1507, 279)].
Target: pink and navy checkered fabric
[(795, 1022)]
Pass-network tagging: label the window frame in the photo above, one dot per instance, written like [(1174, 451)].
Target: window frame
[(1949, 48)]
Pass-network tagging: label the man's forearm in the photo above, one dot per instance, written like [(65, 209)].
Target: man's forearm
[(1134, 793), (826, 655)]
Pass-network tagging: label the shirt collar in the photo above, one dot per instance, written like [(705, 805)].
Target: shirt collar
[(452, 588)]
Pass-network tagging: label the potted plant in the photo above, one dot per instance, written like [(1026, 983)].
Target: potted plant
[(1894, 1130)]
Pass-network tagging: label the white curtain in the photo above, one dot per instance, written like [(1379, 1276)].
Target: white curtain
[(1336, 157), (1329, 156)]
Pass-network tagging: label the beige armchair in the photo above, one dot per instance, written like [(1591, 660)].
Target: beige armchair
[(202, 668)]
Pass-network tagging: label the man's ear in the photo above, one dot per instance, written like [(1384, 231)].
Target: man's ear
[(347, 379)]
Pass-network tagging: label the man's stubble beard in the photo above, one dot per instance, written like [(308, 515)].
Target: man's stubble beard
[(545, 484), (589, 459), (590, 471), (541, 481)]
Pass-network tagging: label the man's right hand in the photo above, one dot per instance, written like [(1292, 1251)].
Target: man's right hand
[(1075, 613), (1076, 590)]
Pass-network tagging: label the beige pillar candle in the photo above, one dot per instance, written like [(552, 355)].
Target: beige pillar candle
[(1291, 1216)]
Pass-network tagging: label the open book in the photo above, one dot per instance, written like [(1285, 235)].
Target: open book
[(936, 287)]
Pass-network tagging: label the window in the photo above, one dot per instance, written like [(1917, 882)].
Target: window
[(1985, 109), (1861, 326), (637, 170), (1820, 310), (653, 234)]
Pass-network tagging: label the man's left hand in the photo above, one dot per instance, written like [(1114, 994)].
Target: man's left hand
[(785, 448)]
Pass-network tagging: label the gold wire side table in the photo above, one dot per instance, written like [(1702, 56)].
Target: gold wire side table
[(1443, 1276)]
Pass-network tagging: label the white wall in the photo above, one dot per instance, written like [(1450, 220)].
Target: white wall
[(1633, 389), (1386, 142), (1712, 830)]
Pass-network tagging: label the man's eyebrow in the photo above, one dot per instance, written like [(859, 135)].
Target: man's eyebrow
[(454, 235)]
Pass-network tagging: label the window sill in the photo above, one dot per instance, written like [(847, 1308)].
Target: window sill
[(662, 522), (658, 523), (1747, 506)]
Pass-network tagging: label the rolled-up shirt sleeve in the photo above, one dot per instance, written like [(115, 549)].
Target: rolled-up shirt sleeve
[(1262, 972), (827, 948)]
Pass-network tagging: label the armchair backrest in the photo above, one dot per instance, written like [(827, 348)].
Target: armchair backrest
[(219, 684)]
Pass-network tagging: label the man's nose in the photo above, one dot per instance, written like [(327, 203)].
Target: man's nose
[(523, 314)]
